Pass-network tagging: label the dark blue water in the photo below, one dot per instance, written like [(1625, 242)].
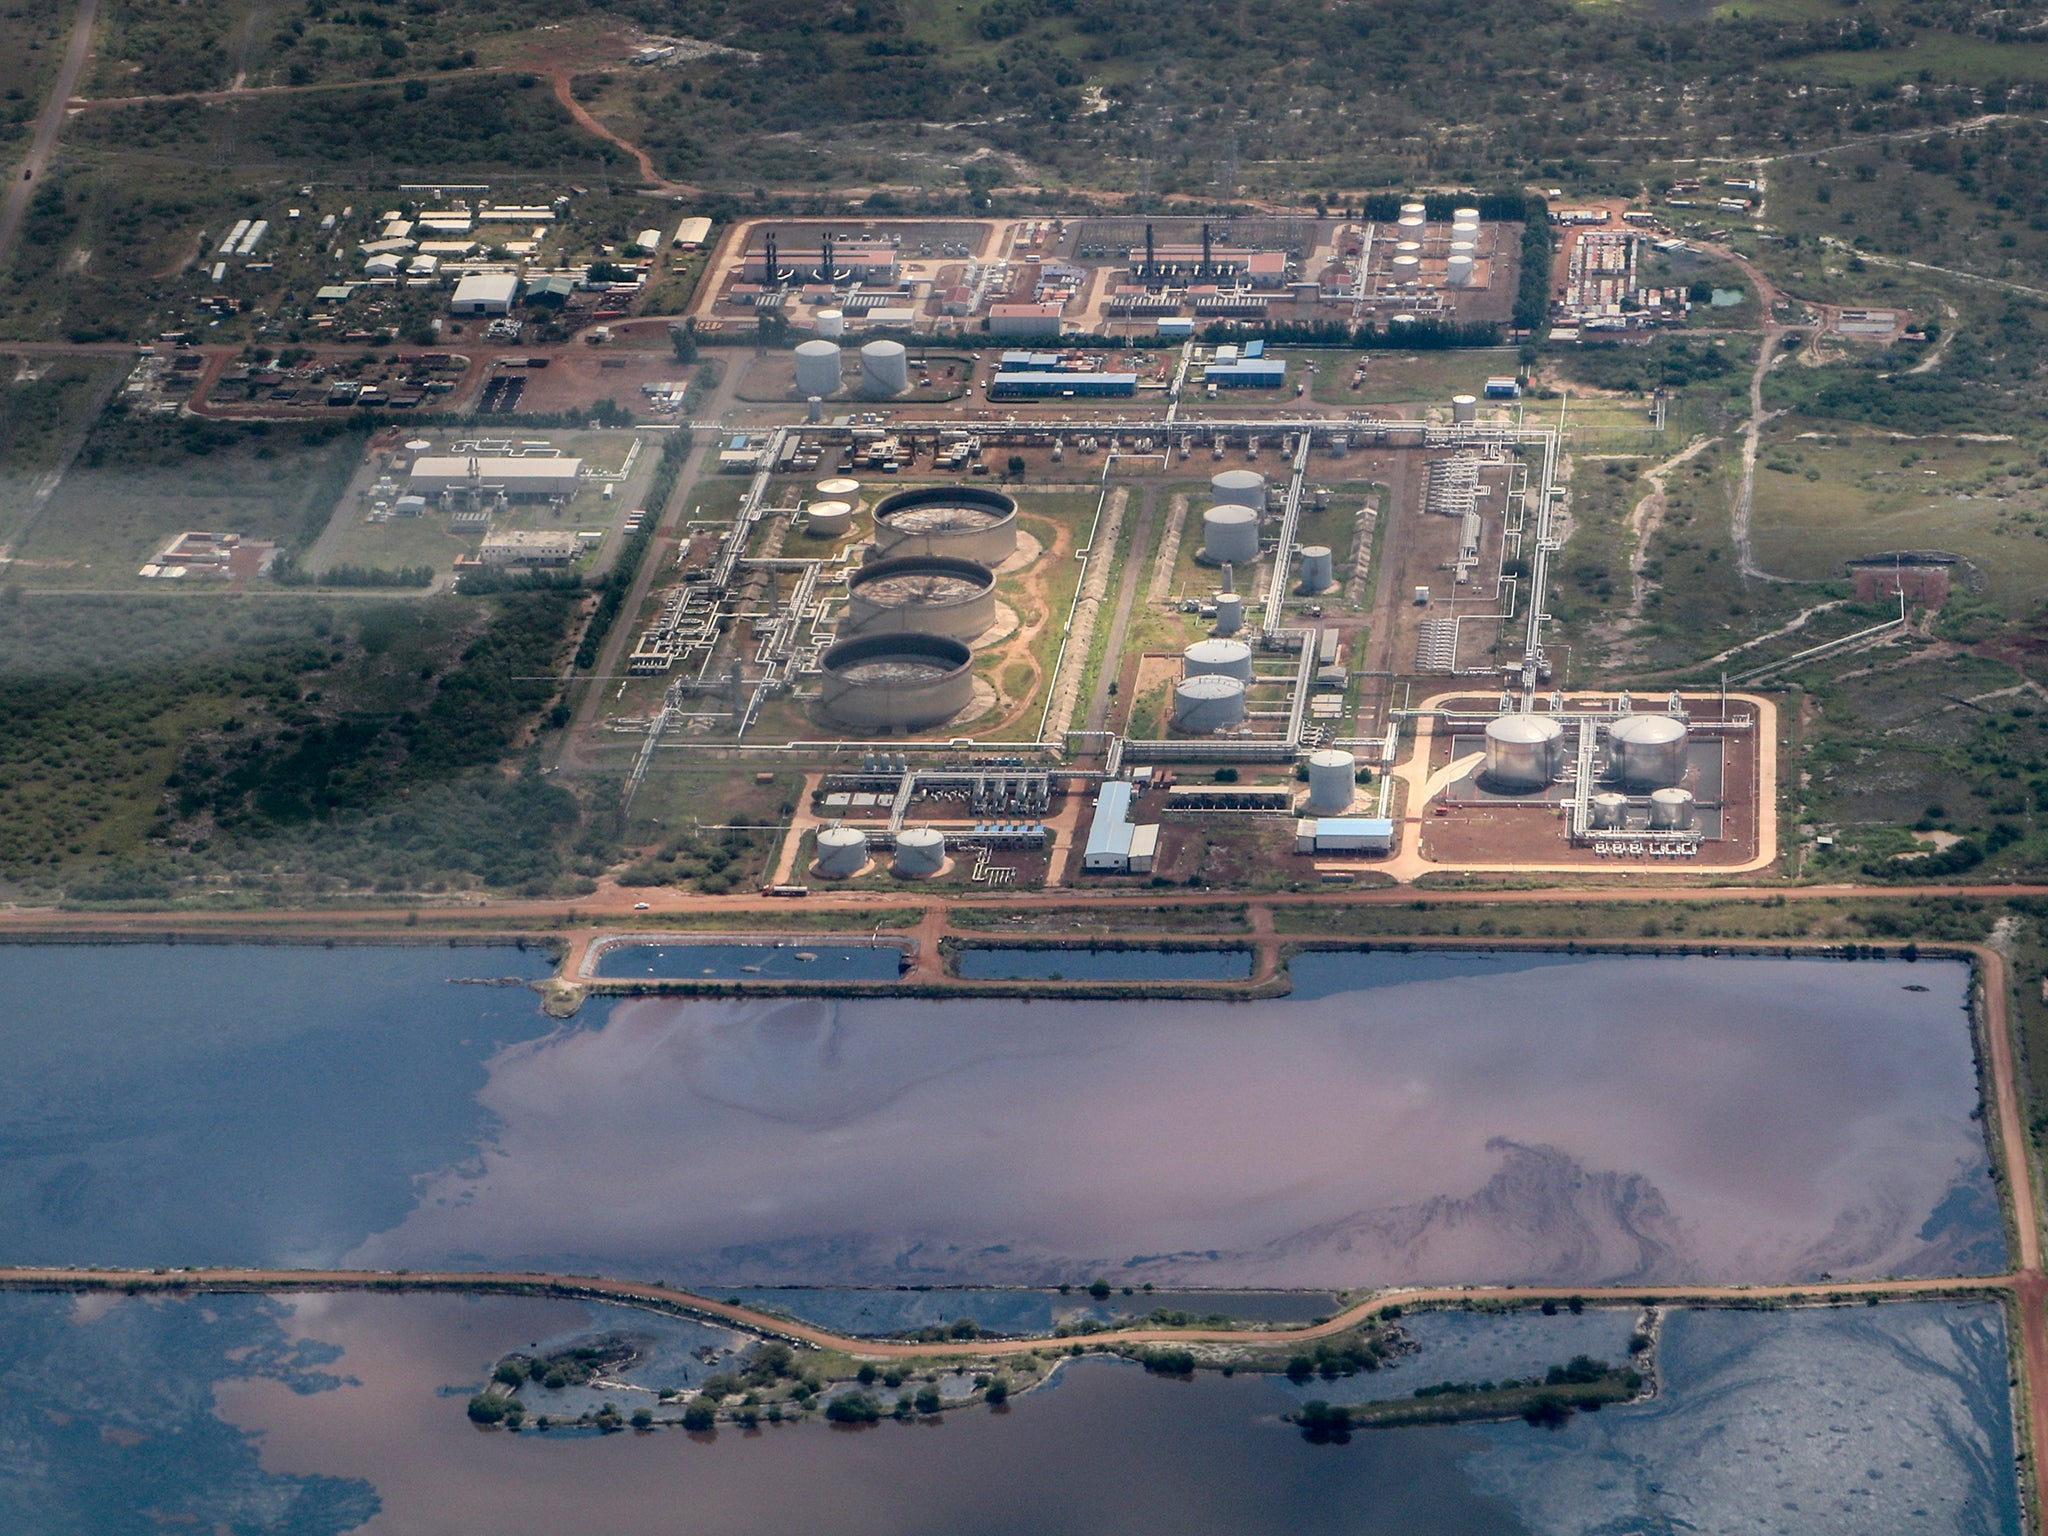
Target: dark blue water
[(795, 960), (1013, 963), (245, 1104)]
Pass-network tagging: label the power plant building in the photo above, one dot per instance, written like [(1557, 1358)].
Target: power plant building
[(518, 479)]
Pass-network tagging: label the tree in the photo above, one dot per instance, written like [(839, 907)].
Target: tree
[(1015, 467), (1099, 1289), (486, 1408), (998, 1392), (699, 1416), (684, 339), (643, 1418), (928, 1400)]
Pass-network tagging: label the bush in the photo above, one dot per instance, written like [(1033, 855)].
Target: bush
[(486, 1408), (853, 1408), (699, 1416)]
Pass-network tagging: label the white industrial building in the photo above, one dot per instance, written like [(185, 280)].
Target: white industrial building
[(1344, 834), (1039, 319), (516, 479), (485, 293), (529, 546), (692, 233), (1117, 846)]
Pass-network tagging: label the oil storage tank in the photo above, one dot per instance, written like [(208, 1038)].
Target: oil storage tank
[(884, 368), (1647, 751), (828, 519), (896, 682), (920, 853), (1219, 658), (1230, 535), (817, 367), (1522, 752), (1609, 810), (1238, 488), (1332, 781), (965, 522), (1670, 810), (931, 594), (842, 852), (1459, 271), (1208, 703), (1229, 613), (1464, 409), (1317, 568), (832, 323)]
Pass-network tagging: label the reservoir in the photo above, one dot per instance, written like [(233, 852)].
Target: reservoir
[(326, 1414), (815, 960), (1505, 1117)]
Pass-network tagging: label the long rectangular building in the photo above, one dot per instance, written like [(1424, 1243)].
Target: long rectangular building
[(1021, 386), (517, 478)]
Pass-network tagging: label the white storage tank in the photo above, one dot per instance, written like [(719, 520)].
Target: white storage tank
[(1464, 215), (884, 368), (1610, 811), (1461, 272), (1406, 269), (967, 522), (1670, 810), (828, 519), (1230, 535), (1220, 658), (1464, 409), (817, 367), (1317, 568), (1208, 703), (1238, 488), (1647, 751), (1229, 613), (1417, 210), (842, 852), (920, 853), (1412, 221), (839, 489), (1463, 245), (832, 323), (1522, 752), (1332, 782), (1408, 248)]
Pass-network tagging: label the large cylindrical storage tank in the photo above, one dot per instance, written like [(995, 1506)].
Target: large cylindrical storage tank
[(1522, 752), (965, 522), (842, 851), (1647, 751), (1406, 269), (1670, 810), (817, 367), (1414, 210), (1610, 811), (1211, 702), (1317, 566), (1460, 272), (832, 323), (1230, 535), (1408, 248), (1462, 245), (828, 519), (1464, 215), (926, 594), (1332, 781), (920, 853), (1218, 658), (1238, 488), (839, 489), (1229, 612), (889, 682), (884, 368), (1464, 409)]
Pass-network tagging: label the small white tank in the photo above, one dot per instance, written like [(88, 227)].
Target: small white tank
[(1464, 409), (1670, 810), (1408, 248), (842, 851), (1208, 703), (832, 323), (1461, 246), (1222, 658), (817, 367), (920, 853), (1230, 535), (1316, 568), (1413, 221), (1332, 782), (1610, 811), (828, 519), (884, 368), (1229, 613), (839, 488), (1238, 488)]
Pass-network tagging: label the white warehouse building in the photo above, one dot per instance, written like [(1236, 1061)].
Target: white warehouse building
[(485, 293)]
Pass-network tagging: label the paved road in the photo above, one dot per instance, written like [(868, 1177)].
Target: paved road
[(14, 206)]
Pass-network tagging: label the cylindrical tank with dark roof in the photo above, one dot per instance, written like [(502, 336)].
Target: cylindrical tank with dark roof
[(928, 593), (1522, 752), (1647, 751), (966, 522), (896, 682), (1211, 702)]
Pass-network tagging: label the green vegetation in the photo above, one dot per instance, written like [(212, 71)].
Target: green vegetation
[(1546, 1401)]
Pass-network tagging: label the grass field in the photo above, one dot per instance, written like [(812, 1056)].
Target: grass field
[(1393, 377)]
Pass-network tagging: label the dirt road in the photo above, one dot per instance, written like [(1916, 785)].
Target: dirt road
[(22, 186)]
